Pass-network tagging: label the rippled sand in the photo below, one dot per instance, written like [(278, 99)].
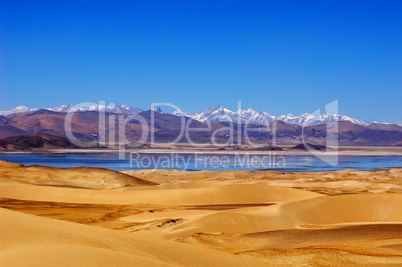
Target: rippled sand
[(86, 216)]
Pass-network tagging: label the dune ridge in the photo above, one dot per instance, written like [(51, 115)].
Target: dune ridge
[(27, 238), (358, 208), (79, 177), (224, 194), (170, 218)]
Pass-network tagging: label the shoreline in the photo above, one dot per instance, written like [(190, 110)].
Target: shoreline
[(342, 151)]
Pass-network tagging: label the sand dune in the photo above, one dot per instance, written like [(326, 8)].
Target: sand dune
[(328, 182), (298, 237), (81, 177), (27, 240), (224, 194), (175, 218), (361, 208), (323, 246), (373, 252), (6, 164)]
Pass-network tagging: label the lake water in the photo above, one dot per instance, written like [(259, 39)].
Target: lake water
[(194, 162)]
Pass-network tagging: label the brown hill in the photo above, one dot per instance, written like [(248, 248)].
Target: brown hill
[(167, 128), (349, 133), (44, 121), (309, 146), (35, 141), (9, 130), (3, 120), (384, 126)]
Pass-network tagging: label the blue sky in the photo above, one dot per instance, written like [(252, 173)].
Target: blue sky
[(275, 56)]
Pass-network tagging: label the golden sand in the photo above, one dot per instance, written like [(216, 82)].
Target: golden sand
[(85, 216)]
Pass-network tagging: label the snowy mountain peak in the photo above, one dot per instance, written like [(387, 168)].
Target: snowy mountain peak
[(126, 107), (306, 115), (19, 109), (119, 109), (63, 108), (158, 109), (250, 115), (22, 108), (123, 109)]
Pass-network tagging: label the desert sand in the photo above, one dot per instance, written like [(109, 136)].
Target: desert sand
[(93, 216)]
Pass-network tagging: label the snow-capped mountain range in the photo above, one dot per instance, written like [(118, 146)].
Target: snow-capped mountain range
[(119, 109), (216, 114), (250, 115), (219, 114)]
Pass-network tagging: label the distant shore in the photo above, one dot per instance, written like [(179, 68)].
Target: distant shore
[(341, 151)]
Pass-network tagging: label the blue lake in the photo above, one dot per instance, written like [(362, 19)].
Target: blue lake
[(194, 162)]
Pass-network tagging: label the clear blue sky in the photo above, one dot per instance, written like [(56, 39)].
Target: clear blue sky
[(276, 56)]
